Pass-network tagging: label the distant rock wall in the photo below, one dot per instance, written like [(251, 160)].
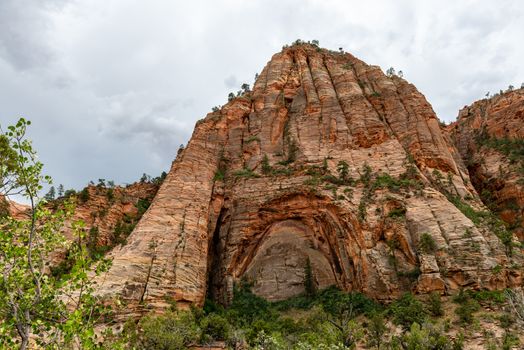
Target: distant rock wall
[(489, 135)]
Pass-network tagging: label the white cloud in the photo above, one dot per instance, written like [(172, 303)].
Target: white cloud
[(114, 86)]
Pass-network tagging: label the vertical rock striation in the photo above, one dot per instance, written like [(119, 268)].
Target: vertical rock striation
[(326, 159)]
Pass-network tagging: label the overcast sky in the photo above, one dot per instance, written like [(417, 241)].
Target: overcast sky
[(113, 87)]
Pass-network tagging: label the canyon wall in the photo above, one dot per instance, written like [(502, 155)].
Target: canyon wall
[(325, 160)]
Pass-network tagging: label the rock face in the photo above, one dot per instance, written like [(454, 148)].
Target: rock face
[(328, 160), (16, 210), (490, 135), (110, 214)]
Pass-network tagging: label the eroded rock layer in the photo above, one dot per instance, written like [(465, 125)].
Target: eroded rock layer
[(489, 134), (328, 160)]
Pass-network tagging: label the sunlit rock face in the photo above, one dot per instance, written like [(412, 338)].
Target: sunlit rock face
[(326, 159)]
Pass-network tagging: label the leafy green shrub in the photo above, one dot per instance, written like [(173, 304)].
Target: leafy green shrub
[(343, 173), (84, 195), (362, 213), (335, 301), (142, 205), (302, 302), (110, 194), (365, 176), (266, 168), (247, 307), (435, 304), (397, 213), (159, 179), (214, 327), (333, 179), (122, 230), (412, 274), (461, 296), (427, 244), (408, 310), (509, 341), (426, 337), (69, 193), (377, 329), (466, 309), (467, 210), (506, 320), (386, 181), (219, 175), (495, 224), (92, 237), (246, 172), (171, 331), (512, 148), (489, 296), (265, 341)]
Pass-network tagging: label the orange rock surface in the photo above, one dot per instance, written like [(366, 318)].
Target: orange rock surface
[(497, 174), (326, 159)]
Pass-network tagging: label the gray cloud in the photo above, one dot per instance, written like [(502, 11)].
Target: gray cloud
[(231, 82), (113, 87)]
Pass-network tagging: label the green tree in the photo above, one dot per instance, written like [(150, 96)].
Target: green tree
[(51, 194), (34, 306), (145, 178), (390, 72), (245, 88), (266, 168), (365, 176), (84, 195), (340, 310), (343, 170), (427, 337), (435, 304), (408, 310), (60, 190), (427, 244), (377, 330), (309, 280)]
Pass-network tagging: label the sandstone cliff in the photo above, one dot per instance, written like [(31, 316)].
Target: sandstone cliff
[(489, 135), (326, 159), (12, 208), (109, 214)]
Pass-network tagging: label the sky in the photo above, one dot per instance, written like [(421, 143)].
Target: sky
[(113, 87)]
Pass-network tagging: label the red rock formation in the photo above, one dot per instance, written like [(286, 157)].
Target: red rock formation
[(489, 134), (258, 191), (108, 214), (12, 208)]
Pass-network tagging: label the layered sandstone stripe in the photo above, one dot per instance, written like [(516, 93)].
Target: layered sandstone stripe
[(309, 109)]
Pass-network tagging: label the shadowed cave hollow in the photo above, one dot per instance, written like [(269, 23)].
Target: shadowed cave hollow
[(273, 254), (278, 266)]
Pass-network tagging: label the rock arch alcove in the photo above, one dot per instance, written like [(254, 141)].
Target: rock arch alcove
[(278, 266), (270, 244)]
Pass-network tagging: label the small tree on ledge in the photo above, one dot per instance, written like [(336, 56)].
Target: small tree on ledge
[(309, 279)]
